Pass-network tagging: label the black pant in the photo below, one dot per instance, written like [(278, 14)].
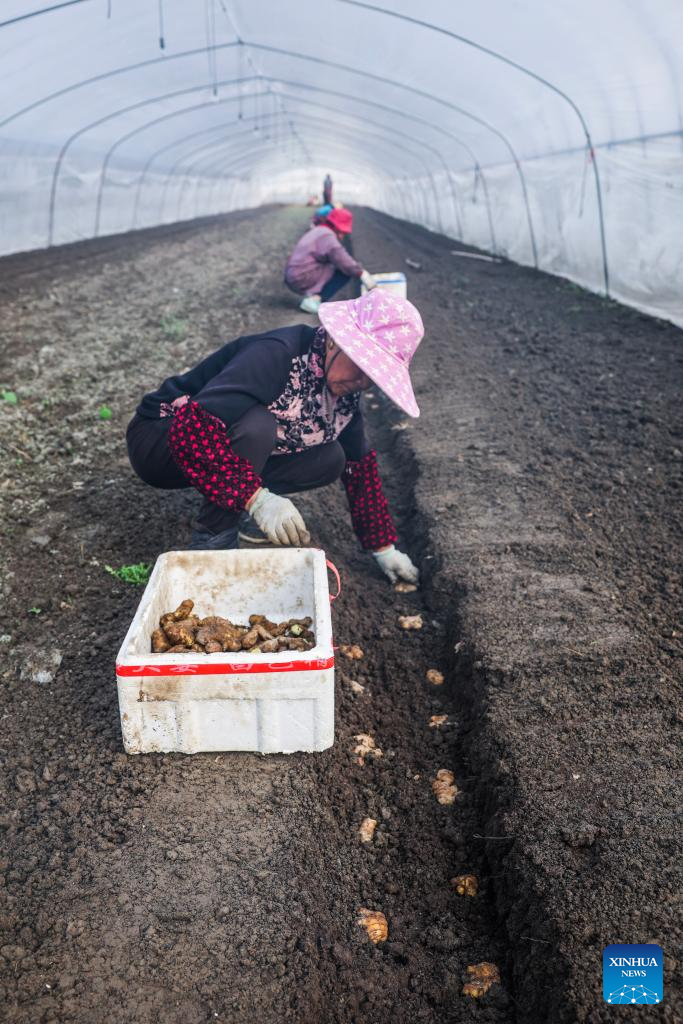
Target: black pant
[(334, 285), (252, 437)]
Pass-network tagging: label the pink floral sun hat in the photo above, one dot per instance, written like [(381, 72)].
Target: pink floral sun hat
[(380, 333)]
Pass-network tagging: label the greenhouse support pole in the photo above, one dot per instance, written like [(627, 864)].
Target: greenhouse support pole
[(435, 99), (532, 74), (129, 135), (95, 124), (293, 126)]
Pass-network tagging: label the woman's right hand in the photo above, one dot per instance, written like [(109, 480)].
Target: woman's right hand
[(279, 519)]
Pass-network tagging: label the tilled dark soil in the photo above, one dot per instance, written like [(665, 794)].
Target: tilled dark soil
[(214, 887), (548, 490), (540, 493)]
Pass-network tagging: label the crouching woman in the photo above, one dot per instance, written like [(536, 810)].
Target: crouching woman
[(279, 413), (319, 266)]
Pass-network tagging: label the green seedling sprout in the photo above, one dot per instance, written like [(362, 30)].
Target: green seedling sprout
[(8, 396), (105, 412), (136, 574), (35, 611), (172, 325)]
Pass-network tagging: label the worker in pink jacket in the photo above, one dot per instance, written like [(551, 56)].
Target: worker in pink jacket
[(319, 266)]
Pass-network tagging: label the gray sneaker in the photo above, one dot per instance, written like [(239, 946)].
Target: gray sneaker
[(204, 540), (249, 532)]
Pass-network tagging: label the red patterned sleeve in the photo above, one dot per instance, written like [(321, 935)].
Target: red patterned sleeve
[(369, 509), (201, 448)]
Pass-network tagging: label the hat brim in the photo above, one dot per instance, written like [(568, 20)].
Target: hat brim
[(390, 376)]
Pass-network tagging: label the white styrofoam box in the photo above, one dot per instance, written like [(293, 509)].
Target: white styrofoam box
[(390, 282), (193, 702)]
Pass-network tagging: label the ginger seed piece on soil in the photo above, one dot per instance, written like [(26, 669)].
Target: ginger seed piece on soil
[(375, 924), (366, 747), (482, 977), (436, 721), (410, 621), (352, 651), (405, 588), (465, 885), (356, 687), (444, 787), (367, 829), (435, 677)]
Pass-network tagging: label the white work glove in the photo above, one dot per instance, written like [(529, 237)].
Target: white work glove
[(396, 565), (368, 280), (279, 519)]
